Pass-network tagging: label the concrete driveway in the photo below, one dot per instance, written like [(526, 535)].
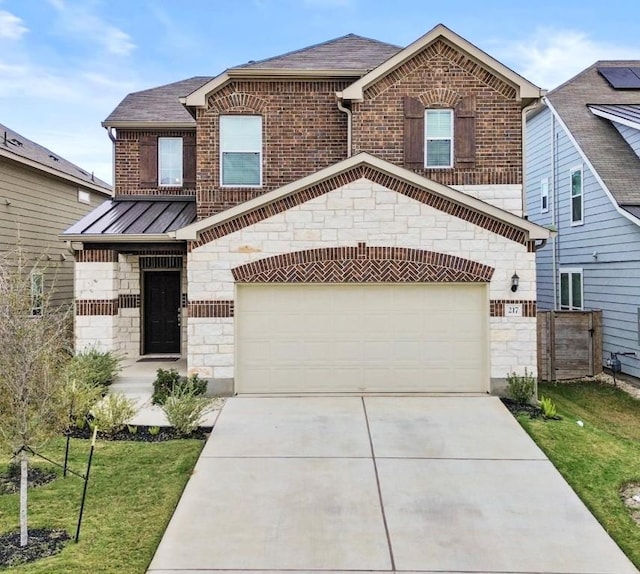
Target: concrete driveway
[(415, 484)]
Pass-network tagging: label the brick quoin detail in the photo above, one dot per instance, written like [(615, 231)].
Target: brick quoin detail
[(363, 264), (219, 308), (388, 181), (96, 306), (496, 307)]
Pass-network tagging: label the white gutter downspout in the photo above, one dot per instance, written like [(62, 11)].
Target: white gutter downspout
[(524, 155), (113, 157), (554, 261), (348, 112)]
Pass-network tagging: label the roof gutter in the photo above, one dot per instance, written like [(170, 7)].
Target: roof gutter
[(120, 238), (596, 175), (149, 125), (54, 172)]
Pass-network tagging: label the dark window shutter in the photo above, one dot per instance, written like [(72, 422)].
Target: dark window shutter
[(189, 161), (413, 133), (465, 132), (148, 161)]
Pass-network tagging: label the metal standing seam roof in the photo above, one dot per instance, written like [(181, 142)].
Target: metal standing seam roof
[(15, 144), (135, 217), (608, 152)]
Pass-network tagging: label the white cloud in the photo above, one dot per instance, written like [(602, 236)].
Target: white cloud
[(552, 56), (57, 4), (11, 26), (117, 42)]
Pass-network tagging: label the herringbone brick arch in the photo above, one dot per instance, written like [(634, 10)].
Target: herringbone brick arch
[(363, 264)]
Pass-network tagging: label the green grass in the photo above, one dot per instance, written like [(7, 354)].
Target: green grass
[(597, 459), (133, 489)]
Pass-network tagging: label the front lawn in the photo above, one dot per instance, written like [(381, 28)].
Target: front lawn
[(598, 458), (133, 489)]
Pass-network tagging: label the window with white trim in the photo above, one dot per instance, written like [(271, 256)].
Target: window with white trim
[(544, 195), (241, 151), (438, 133), (170, 168), (577, 200), (571, 289), (37, 292)]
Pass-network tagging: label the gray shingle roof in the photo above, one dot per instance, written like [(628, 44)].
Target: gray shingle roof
[(350, 52), (610, 155), (160, 104), (12, 143), (146, 217)]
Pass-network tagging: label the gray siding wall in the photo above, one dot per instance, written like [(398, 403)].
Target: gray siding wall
[(631, 135), (41, 207), (611, 279)]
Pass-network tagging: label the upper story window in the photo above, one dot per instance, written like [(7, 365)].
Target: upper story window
[(241, 151), (544, 195), (577, 201), (571, 289), (170, 162), (438, 143)]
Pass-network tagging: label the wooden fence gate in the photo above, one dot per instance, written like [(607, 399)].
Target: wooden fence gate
[(569, 344)]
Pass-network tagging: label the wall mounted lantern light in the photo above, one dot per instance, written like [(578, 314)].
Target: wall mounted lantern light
[(515, 281)]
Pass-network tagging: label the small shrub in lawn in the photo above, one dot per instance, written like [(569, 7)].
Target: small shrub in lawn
[(548, 407), (169, 382), (153, 431), (92, 366), (184, 409), (521, 388), (81, 396), (112, 413)]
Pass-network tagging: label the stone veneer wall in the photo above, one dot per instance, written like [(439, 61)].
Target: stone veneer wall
[(365, 212)]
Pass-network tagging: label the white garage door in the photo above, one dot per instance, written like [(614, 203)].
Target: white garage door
[(315, 338)]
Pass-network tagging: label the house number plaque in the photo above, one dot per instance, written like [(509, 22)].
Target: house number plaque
[(513, 310)]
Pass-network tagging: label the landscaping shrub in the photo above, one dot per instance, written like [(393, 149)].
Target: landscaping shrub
[(548, 407), (113, 412), (94, 367), (170, 382), (521, 388), (80, 397), (184, 408)]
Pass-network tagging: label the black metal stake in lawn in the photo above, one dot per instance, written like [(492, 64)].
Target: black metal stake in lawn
[(86, 482)]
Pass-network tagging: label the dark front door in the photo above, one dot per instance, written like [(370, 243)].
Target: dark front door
[(162, 312)]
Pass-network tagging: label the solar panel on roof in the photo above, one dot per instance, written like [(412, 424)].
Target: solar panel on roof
[(621, 78)]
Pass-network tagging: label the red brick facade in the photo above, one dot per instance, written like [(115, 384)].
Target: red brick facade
[(304, 131)]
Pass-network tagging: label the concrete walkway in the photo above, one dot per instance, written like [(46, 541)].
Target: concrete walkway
[(378, 484), (135, 381)]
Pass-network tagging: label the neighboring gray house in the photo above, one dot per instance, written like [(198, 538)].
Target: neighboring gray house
[(583, 177), (41, 194)]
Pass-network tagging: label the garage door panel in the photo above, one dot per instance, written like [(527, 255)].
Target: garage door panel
[(362, 338)]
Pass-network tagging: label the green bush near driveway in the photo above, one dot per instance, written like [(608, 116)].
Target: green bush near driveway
[(98, 368), (596, 459), (133, 490), (169, 382)]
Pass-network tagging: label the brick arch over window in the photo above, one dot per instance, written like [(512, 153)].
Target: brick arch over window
[(237, 101), (439, 97), (363, 264)]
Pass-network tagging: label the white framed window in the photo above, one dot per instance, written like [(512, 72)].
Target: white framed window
[(544, 195), (571, 289), (241, 151), (84, 196), (438, 138), (577, 199), (170, 162), (37, 292)]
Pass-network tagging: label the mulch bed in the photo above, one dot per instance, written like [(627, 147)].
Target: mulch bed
[(519, 408), (141, 434), (10, 480), (42, 543)]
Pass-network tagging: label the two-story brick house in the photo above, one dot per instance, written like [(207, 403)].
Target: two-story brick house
[(346, 217)]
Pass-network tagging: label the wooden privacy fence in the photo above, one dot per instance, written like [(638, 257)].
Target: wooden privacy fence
[(569, 344)]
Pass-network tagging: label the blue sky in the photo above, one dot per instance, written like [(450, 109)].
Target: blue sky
[(65, 64)]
